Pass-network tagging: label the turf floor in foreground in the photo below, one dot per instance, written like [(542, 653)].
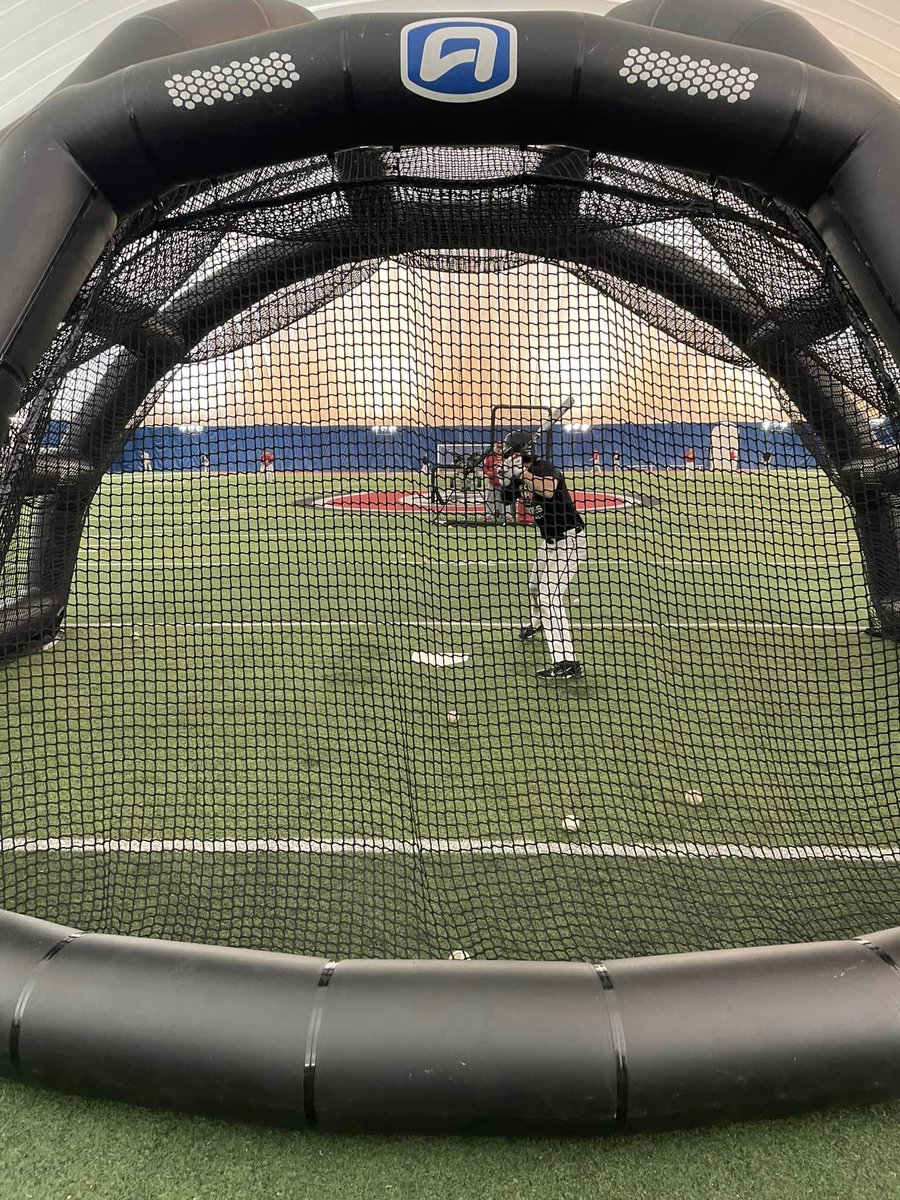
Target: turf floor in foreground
[(757, 550), (239, 664), (59, 1148)]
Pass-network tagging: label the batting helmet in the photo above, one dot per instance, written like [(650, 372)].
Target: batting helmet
[(520, 441)]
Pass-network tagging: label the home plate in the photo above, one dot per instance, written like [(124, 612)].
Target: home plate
[(439, 660)]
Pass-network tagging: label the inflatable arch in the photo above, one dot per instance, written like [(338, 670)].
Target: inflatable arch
[(739, 90)]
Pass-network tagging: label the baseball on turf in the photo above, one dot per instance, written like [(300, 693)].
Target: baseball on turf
[(693, 798), (452, 718), (570, 821), (460, 955)]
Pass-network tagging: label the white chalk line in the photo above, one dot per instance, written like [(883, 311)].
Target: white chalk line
[(488, 626), (134, 566), (479, 847)]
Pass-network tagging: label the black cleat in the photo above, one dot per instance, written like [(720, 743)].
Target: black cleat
[(527, 632), (562, 670)]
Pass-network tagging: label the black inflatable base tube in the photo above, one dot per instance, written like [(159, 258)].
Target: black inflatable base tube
[(451, 1046)]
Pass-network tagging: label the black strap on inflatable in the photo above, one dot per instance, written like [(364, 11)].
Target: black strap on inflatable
[(617, 1030), (15, 1029), (882, 954), (312, 1046)]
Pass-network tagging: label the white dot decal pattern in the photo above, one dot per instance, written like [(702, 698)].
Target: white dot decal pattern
[(232, 80), (696, 77)]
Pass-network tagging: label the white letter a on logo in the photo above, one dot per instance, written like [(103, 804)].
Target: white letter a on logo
[(435, 63)]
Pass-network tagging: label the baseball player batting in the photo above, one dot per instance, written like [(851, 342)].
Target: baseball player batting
[(541, 487)]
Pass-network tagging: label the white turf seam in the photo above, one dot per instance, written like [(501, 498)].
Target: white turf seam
[(213, 626), (482, 847)]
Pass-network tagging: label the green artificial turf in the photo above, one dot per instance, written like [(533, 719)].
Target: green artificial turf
[(238, 664), (60, 1148)]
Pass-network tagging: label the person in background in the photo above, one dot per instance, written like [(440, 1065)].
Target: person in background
[(267, 462), (766, 459), (147, 462), (690, 459), (494, 506)]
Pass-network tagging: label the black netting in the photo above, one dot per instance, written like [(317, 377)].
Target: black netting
[(290, 707)]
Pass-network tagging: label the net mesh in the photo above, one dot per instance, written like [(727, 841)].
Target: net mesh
[(290, 709)]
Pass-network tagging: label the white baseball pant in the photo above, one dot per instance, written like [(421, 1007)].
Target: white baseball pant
[(556, 566)]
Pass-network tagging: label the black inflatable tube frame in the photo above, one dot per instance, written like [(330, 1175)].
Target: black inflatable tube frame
[(456, 1046)]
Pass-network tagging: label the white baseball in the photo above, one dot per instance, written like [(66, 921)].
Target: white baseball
[(570, 822)]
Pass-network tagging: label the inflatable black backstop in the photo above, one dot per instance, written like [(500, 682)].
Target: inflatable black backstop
[(178, 101)]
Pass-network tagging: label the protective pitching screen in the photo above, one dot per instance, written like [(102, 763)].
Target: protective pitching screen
[(291, 707)]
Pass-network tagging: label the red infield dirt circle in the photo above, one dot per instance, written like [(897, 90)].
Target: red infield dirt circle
[(412, 503)]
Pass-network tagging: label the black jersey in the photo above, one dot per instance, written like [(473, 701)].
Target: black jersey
[(553, 515)]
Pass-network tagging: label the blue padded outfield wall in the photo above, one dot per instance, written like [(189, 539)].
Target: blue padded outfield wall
[(355, 448)]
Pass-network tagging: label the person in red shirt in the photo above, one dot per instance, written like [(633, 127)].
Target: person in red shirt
[(690, 460), (494, 506), (267, 461)]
